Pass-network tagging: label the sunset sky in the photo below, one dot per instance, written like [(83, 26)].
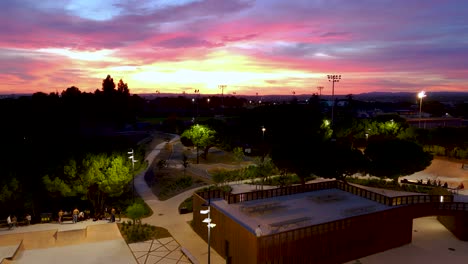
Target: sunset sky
[(263, 46)]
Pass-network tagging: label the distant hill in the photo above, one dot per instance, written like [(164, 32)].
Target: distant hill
[(371, 96), (411, 97)]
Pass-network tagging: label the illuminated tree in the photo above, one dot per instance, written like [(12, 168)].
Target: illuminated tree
[(201, 137), (93, 178)]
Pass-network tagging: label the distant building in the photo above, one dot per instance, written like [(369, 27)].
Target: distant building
[(434, 122)]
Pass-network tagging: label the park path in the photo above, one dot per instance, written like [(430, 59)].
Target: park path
[(166, 215)]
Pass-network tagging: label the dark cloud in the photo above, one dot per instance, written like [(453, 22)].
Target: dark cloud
[(186, 42)]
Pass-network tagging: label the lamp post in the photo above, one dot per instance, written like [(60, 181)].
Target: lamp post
[(421, 95), (197, 92), (132, 158), (263, 133), (222, 87), (333, 79), (320, 88), (209, 225)]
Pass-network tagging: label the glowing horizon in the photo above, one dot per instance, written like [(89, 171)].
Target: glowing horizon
[(265, 47)]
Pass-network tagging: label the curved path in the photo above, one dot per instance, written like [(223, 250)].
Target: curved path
[(166, 214)]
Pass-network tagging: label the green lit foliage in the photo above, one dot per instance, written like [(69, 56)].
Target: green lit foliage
[(8, 190), (135, 212), (238, 154), (201, 137), (95, 177)]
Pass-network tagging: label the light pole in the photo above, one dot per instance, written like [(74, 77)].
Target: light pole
[(333, 79), (222, 87), (132, 158), (320, 88), (263, 133), (421, 95), (209, 225), (197, 92)]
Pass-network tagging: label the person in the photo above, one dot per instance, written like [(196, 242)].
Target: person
[(28, 219), (60, 216), (10, 223), (75, 215), (258, 231), (81, 216), (112, 220)]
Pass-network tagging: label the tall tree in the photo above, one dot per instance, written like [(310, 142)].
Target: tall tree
[(201, 136), (122, 88), (396, 157), (108, 85), (94, 178)]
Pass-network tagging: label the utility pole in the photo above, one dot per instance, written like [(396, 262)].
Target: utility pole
[(222, 87)]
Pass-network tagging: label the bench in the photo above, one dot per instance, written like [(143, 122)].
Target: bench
[(189, 255), (277, 226)]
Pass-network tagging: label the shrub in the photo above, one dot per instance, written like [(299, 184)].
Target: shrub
[(136, 233), (187, 204), (135, 212)]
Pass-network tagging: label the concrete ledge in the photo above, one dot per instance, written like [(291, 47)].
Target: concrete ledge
[(189, 255), (8, 253)]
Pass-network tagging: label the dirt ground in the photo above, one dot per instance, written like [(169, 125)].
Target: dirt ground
[(449, 171)]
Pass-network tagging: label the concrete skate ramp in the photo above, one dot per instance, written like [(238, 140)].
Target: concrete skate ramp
[(95, 233), (31, 240), (55, 238), (70, 237)]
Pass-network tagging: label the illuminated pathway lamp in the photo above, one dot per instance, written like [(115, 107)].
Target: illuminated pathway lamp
[(132, 158), (210, 225), (421, 95)]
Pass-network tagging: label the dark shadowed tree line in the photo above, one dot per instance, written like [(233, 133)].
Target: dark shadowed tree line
[(41, 134)]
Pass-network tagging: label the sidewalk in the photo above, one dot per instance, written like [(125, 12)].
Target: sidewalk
[(166, 215)]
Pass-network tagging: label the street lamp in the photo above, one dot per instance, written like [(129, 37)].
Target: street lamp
[(263, 133), (421, 95), (333, 79), (209, 225), (197, 92), (132, 157)]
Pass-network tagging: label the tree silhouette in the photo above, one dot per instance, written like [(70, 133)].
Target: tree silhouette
[(108, 85), (122, 88), (395, 157)]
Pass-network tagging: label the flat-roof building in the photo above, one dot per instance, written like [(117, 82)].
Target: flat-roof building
[(326, 222)]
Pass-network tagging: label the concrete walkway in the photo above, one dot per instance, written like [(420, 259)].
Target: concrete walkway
[(166, 214)]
